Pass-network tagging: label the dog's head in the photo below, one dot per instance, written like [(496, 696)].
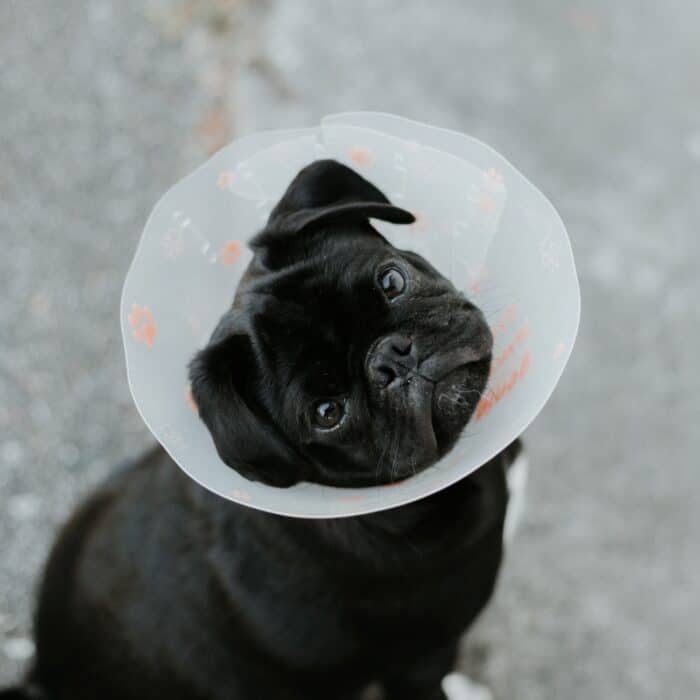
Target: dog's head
[(342, 360)]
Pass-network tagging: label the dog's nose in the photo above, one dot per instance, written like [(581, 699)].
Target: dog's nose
[(393, 357)]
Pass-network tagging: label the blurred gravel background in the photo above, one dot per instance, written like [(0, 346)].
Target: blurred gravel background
[(105, 104)]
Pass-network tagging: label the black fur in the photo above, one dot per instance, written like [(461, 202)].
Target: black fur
[(310, 321), (158, 589)]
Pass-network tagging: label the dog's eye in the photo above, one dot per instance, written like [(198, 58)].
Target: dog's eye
[(327, 413), (392, 282)]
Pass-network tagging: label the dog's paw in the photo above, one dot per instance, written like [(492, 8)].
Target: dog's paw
[(517, 480), (458, 687)]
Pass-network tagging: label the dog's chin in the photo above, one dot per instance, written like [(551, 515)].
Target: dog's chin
[(441, 411), (455, 399)]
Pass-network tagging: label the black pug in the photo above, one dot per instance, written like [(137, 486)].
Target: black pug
[(338, 362)]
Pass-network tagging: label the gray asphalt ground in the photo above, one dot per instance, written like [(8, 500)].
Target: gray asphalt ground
[(103, 108)]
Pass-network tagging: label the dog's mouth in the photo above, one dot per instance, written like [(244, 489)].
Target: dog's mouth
[(438, 399), (455, 398), (440, 364)]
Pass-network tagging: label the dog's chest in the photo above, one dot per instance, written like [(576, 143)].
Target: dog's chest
[(347, 594), (313, 616)]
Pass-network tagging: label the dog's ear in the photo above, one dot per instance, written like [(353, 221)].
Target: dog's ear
[(223, 378), (324, 192)]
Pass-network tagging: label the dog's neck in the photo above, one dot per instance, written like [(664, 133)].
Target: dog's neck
[(440, 523), (378, 540)]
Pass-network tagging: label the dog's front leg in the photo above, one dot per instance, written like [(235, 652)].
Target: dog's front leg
[(420, 679)]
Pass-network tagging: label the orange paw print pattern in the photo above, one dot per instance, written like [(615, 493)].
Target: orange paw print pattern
[(510, 366), (361, 155), (453, 461), (495, 175), (509, 315), (143, 326), (499, 392), (231, 253), (419, 224), (189, 398), (509, 350), (352, 498), (392, 484), (226, 179), (486, 203), (476, 286)]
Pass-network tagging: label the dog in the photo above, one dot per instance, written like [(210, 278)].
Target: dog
[(342, 361)]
